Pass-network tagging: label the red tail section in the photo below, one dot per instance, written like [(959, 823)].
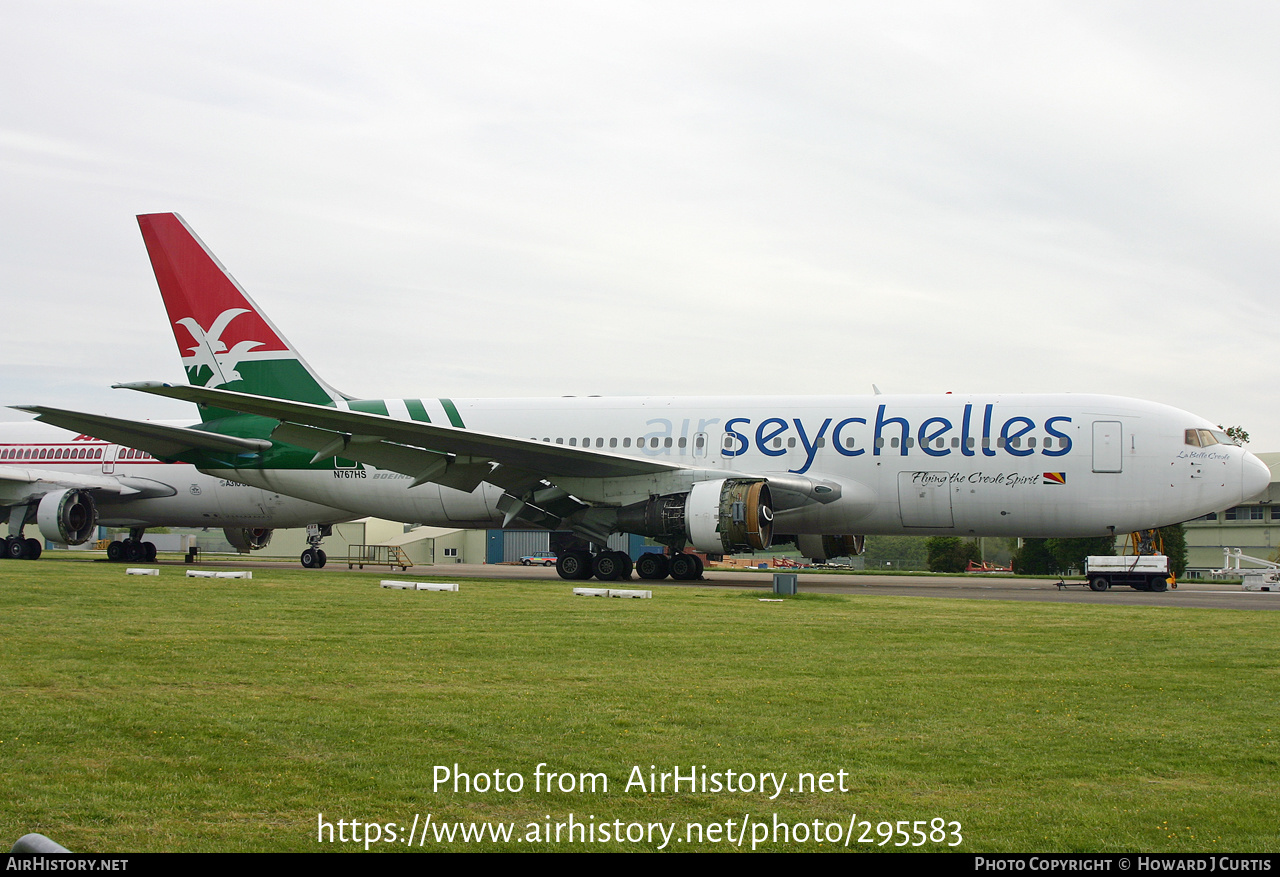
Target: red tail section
[(223, 337)]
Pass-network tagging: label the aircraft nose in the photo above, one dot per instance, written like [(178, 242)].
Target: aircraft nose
[(1255, 477)]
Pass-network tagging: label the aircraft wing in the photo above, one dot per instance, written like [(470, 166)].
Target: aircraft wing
[(21, 485), (352, 429), (159, 440)]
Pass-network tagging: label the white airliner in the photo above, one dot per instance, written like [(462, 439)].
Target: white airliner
[(719, 474), (67, 483)]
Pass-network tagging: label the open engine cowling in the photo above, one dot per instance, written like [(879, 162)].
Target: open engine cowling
[(246, 539), (69, 517), (820, 548), (718, 517)]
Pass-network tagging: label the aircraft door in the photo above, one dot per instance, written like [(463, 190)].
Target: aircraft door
[(925, 499), (1108, 446), (109, 459)]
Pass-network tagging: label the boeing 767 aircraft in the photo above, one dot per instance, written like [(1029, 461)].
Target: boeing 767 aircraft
[(718, 473)]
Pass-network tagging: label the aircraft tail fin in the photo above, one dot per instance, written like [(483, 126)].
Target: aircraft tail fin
[(223, 337)]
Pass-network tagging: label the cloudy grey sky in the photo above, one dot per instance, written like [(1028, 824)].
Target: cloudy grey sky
[(492, 199)]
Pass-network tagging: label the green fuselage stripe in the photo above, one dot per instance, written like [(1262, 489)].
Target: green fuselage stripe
[(416, 411), (452, 411), (370, 406)]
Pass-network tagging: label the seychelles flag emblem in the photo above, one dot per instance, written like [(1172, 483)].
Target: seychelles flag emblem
[(1055, 478)]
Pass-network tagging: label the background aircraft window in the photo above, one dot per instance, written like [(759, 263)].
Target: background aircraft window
[(559, 441), (599, 443), (1015, 442), (1193, 437), (955, 442), (941, 443), (822, 442), (791, 442), (613, 442), (667, 441), (986, 442), (848, 443), (626, 442), (880, 442), (1031, 442), (1000, 442), (682, 441), (698, 442), (1207, 438), (777, 443), (573, 442), (893, 443), (911, 443), (97, 453)]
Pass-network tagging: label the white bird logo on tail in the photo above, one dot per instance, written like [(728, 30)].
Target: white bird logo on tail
[(212, 351)]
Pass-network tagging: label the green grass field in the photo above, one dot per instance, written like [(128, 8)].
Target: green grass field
[(175, 714)]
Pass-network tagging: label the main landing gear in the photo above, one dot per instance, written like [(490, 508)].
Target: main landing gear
[(313, 557), (18, 548), (133, 549), (612, 566)]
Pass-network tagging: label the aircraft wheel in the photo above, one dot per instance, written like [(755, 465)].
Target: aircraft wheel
[(653, 566), (685, 568), (1160, 584), (149, 551), (697, 563), (606, 567), (574, 565), (16, 548), (309, 558), (115, 551), (321, 559), (134, 552), (34, 548), (627, 566), (1099, 584)]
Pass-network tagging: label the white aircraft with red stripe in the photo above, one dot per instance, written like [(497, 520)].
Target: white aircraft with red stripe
[(716, 474), (67, 483)]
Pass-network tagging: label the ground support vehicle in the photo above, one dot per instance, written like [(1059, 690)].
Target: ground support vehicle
[(1144, 572)]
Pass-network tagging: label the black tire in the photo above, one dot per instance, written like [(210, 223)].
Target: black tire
[(149, 551), (526, 562), (115, 551), (574, 565), (34, 548), (606, 567), (321, 558), (15, 548), (134, 552), (684, 568), (653, 566), (1160, 584), (698, 565), (1099, 584), (309, 558), (548, 562)]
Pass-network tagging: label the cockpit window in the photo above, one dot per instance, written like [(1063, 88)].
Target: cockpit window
[(1205, 438)]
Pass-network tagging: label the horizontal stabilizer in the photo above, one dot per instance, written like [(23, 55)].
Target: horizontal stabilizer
[(158, 440)]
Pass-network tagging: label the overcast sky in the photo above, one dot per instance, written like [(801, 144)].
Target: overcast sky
[(509, 199)]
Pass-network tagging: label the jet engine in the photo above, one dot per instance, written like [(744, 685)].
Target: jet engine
[(69, 517), (718, 517), (820, 548), (247, 539)]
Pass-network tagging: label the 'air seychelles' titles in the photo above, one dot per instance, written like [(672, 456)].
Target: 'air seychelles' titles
[(934, 436)]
